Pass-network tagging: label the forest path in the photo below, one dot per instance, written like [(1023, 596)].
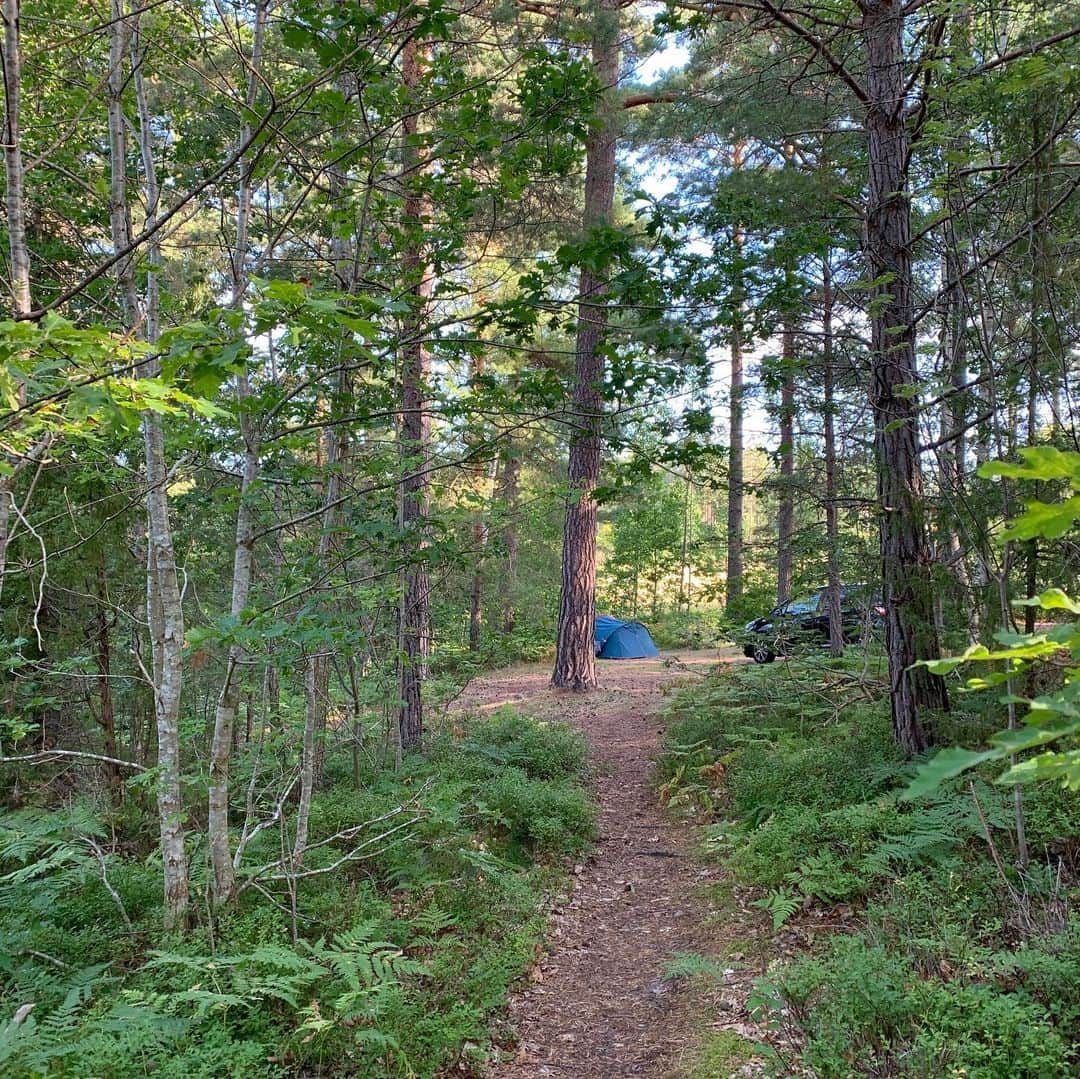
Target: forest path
[(597, 1007)]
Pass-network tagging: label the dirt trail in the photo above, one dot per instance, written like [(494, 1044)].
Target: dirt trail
[(597, 1007)]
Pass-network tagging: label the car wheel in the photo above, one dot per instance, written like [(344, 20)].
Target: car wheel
[(763, 655)]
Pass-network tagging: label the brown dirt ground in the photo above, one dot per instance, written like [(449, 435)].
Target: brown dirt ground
[(597, 1006)]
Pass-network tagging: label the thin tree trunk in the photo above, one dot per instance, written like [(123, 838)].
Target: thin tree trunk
[(953, 452), (480, 537), (832, 524), (1044, 345), (107, 710), (508, 500), (15, 206), (575, 648), (221, 747), (14, 175), (733, 588), (905, 555), (414, 618), (786, 515), (164, 603), (685, 573)]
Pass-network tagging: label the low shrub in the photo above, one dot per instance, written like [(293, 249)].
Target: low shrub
[(399, 960), (863, 1010), (961, 966)]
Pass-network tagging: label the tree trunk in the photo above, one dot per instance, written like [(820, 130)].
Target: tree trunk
[(832, 524), (685, 572), (107, 710), (414, 618), (508, 500), (164, 603), (1045, 345), (953, 452), (575, 648), (786, 515), (905, 556), (15, 206), (480, 531), (221, 748), (733, 587)]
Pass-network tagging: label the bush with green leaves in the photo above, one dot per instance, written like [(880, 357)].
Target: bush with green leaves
[(963, 966), (399, 962), (1046, 746), (863, 1010)]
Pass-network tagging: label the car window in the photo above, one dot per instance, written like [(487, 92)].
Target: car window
[(803, 605)]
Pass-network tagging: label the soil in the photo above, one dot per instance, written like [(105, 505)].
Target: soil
[(598, 1005)]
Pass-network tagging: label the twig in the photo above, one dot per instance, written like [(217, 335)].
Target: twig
[(48, 754), (99, 854)]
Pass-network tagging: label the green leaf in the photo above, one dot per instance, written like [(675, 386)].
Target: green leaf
[(950, 663), (1053, 599), (1050, 521), (944, 765), (1040, 463)]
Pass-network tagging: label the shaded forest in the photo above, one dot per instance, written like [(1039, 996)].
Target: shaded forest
[(353, 352)]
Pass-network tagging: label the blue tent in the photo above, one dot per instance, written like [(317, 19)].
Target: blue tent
[(616, 639)]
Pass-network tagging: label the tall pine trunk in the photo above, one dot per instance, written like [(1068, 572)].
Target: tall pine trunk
[(733, 584), (786, 515), (832, 523), (905, 555), (575, 650)]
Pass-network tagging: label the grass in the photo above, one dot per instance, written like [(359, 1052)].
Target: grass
[(721, 1053)]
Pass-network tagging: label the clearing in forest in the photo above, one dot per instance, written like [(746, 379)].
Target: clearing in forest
[(598, 1005)]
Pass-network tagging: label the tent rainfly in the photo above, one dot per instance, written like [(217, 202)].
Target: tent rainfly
[(616, 639)]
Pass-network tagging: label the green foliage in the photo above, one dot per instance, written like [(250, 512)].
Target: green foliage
[(399, 963), (1053, 718), (683, 629), (540, 750), (692, 965), (721, 1053), (957, 967), (866, 1011)]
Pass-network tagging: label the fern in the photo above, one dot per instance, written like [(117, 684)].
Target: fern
[(781, 904), (934, 831), (692, 964)]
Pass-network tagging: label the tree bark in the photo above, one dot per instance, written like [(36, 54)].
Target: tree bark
[(905, 556), (15, 207), (575, 648), (786, 515), (164, 603), (832, 524), (733, 585), (686, 574), (414, 617), (480, 531), (221, 747), (508, 499), (106, 709), (14, 174)]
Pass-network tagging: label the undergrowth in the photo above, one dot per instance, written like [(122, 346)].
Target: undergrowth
[(952, 962), (400, 962)]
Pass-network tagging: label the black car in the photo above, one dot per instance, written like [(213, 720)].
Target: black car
[(805, 622)]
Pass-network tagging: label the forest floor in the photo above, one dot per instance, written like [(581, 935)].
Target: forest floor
[(598, 1005)]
